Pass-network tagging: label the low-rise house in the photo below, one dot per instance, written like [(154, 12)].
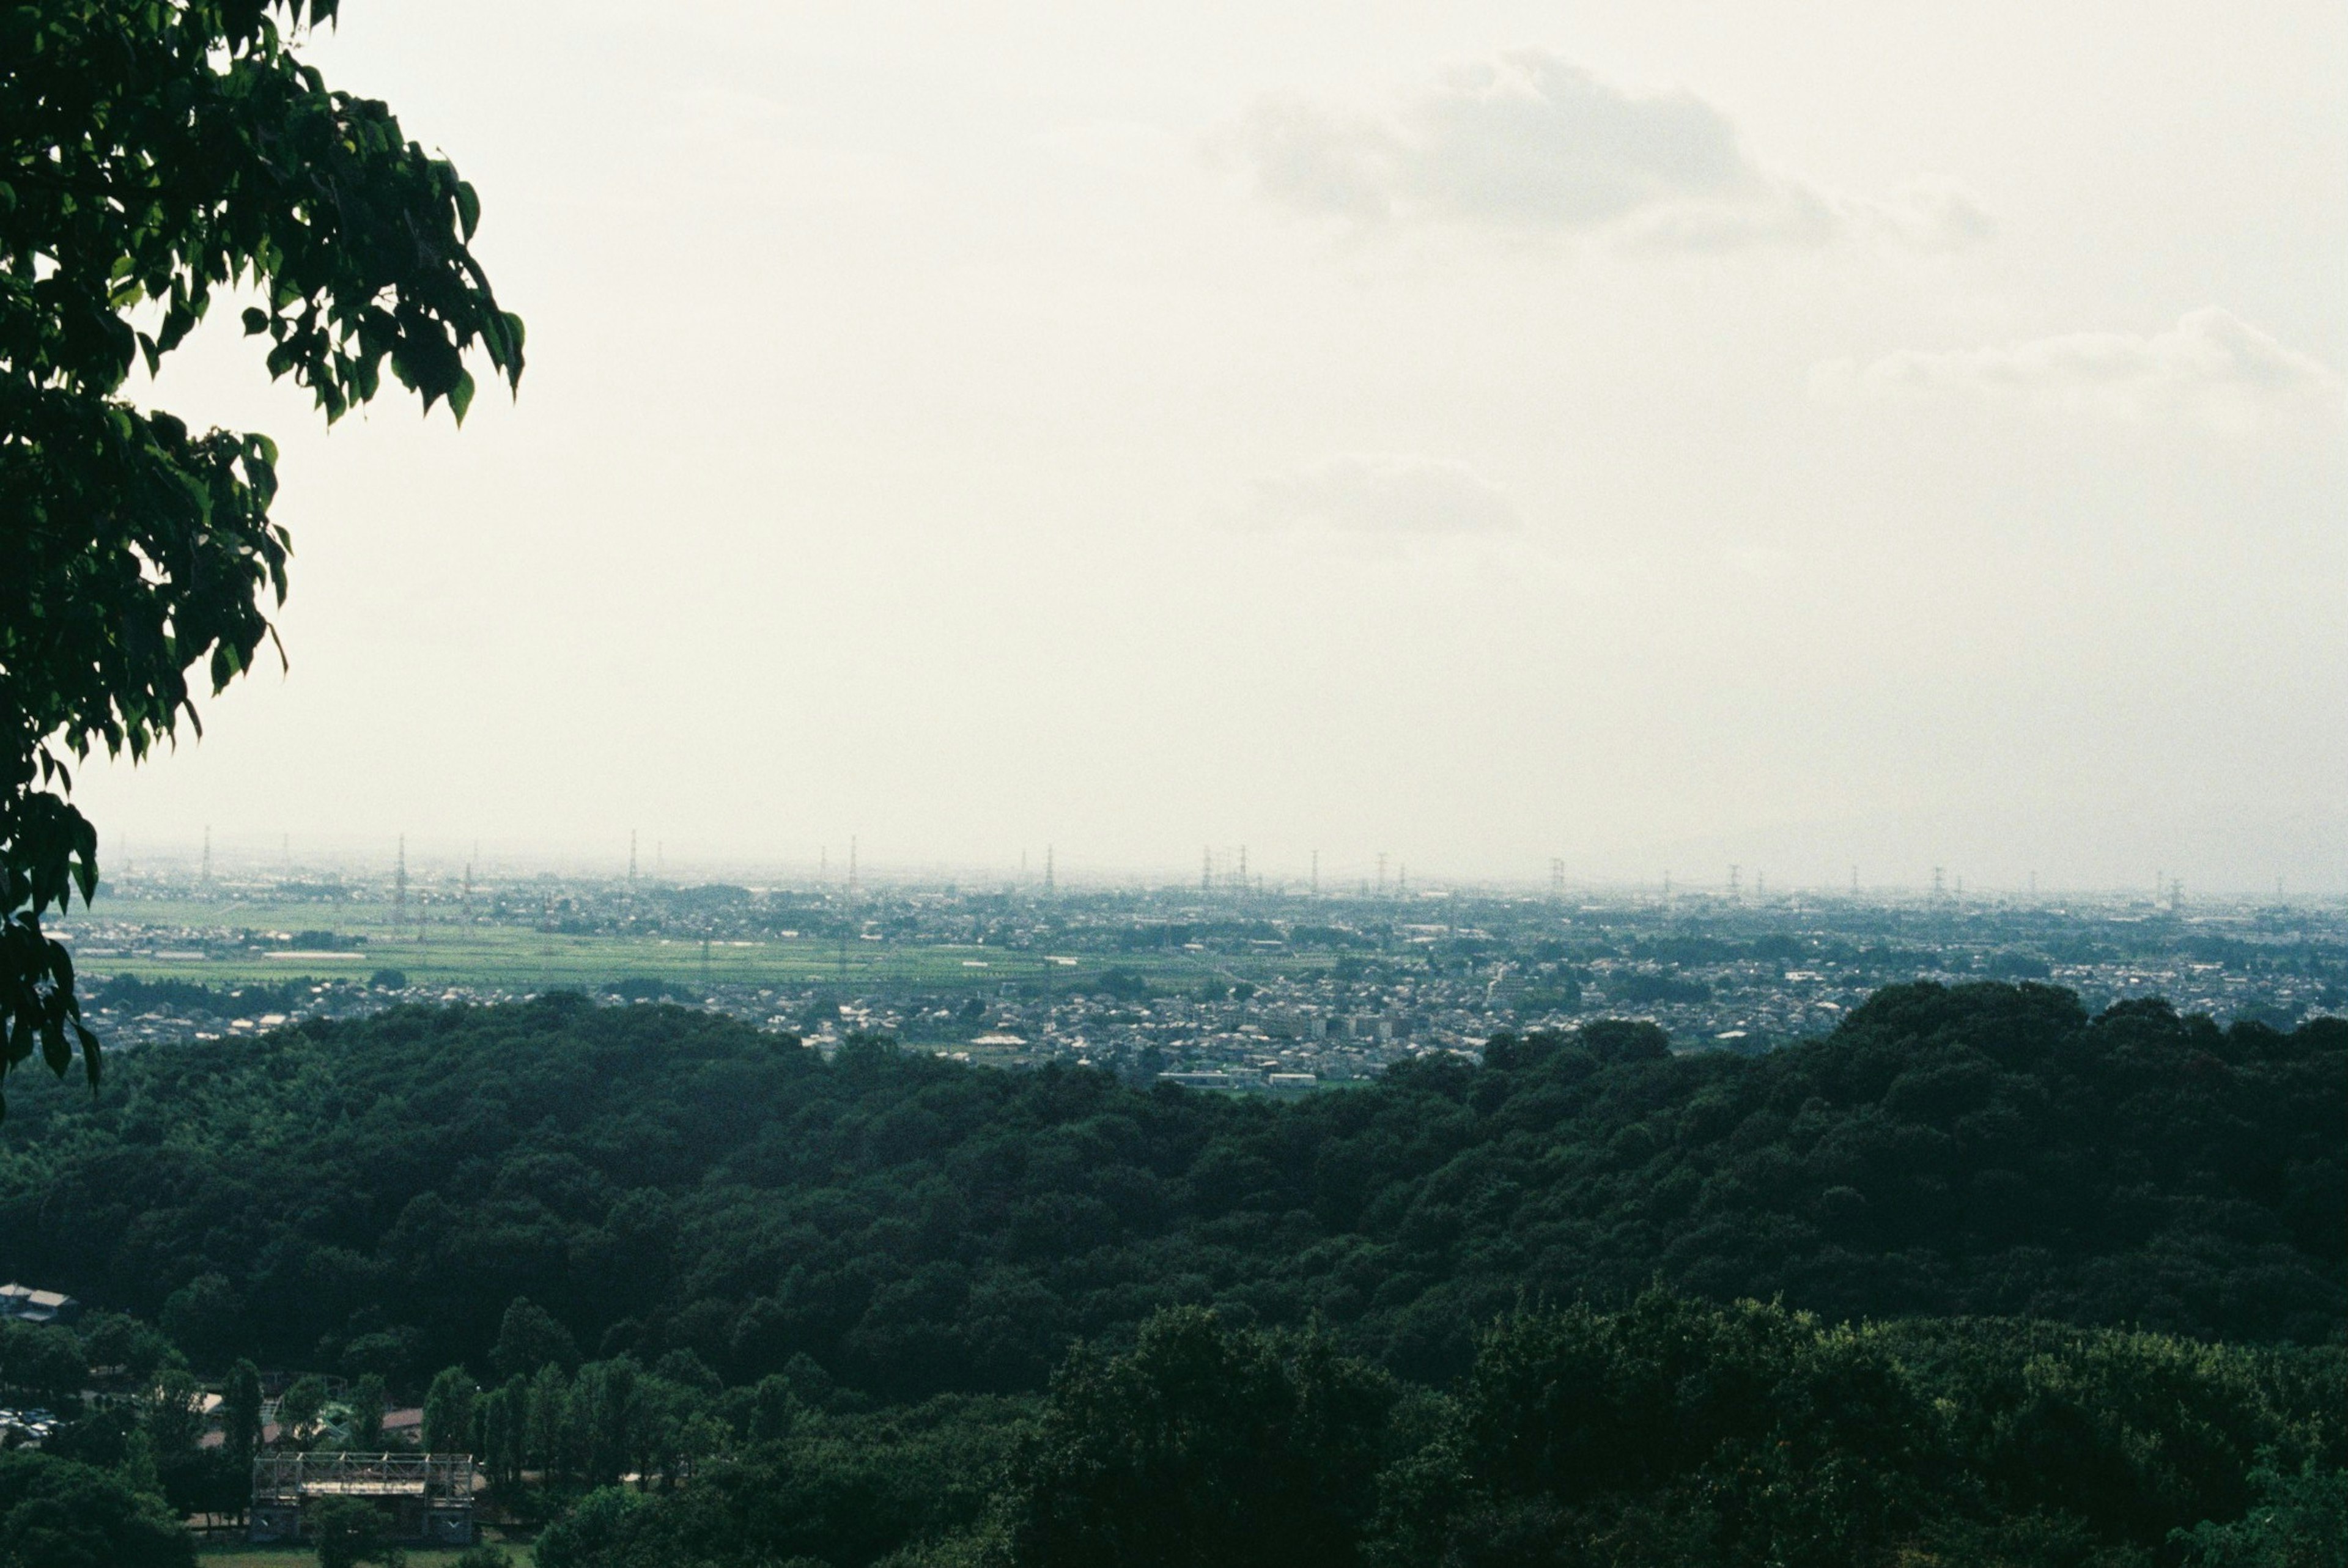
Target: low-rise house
[(29, 1305)]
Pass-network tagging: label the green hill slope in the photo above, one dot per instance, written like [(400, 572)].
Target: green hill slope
[(374, 1194)]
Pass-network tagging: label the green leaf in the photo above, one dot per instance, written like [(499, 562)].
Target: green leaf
[(92, 1061)]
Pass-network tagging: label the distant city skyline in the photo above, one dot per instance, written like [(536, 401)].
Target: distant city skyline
[(364, 859)]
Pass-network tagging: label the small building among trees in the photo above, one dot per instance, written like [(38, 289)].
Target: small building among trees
[(425, 1498), (28, 1304)]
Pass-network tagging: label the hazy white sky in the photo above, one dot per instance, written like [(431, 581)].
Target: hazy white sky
[(1656, 435)]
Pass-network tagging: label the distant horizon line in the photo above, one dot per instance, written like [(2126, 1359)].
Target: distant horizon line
[(237, 862)]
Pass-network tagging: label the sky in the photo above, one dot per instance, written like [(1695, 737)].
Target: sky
[(1835, 439)]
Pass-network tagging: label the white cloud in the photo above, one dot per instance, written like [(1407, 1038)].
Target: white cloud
[(1927, 214), (2212, 367), (1383, 493), (1531, 141)]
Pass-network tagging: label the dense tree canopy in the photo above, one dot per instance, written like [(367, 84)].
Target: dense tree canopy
[(886, 1309), (154, 154), (1671, 1434), (60, 1513), (1203, 1445), (379, 1196)]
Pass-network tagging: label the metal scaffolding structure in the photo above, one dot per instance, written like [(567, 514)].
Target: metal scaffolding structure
[(422, 1497)]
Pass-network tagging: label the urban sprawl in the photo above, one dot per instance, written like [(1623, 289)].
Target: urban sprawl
[(1222, 985)]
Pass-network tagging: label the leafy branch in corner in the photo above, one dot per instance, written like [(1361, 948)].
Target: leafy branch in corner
[(154, 153)]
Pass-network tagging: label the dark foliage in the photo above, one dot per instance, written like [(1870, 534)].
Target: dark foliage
[(377, 1194), (58, 1513), (1673, 1434), (1679, 1433), (843, 1491), (1203, 1445), (129, 993)]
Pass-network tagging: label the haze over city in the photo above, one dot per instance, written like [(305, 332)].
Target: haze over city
[(1645, 437)]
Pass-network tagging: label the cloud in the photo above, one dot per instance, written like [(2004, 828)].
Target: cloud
[(1383, 493), (1925, 214), (1529, 141), (2212, 367)]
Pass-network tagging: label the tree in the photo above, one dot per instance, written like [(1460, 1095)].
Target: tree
[(50, 1363), (594, 1534), (368, 1398), (241, 1413), (544, 1406), (529, 1337), (448, 1411), (2299, 1521), (1623, 1040), (774, 1409), (206, 1317), (174, 1415), (603, 1414), (58, 1513), (1205, 1446), (298, 1411), (124, 1343), (1676, 1432), (500, 1421), (152, 154), (349, 1531)]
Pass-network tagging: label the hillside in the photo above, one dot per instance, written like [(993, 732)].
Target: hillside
[(373, 1196)]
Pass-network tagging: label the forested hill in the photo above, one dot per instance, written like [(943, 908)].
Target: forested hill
[(373, 1196)]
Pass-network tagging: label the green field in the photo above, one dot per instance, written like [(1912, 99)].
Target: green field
[(517, 958)]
